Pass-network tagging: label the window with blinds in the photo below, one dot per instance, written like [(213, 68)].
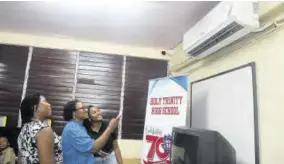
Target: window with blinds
[(138, 72), (13, 61), (93, 78), (99, 80), (52, 73)]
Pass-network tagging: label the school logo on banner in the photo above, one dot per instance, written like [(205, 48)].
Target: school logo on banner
[(160, 147)]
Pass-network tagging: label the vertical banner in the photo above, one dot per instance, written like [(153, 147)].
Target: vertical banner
[(166, 108)]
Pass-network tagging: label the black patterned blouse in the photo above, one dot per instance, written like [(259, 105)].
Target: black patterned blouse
[(28, 153)]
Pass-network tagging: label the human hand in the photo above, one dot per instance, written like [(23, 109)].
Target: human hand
[(103, 154), (114, 122)]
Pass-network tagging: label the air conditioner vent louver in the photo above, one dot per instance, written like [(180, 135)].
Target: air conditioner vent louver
[(215, 39)]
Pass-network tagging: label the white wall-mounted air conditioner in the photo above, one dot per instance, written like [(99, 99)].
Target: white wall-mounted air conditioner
[(224, 24)]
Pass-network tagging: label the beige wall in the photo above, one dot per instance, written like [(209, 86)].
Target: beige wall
[(68, 43), (268, 54), (131, 148)]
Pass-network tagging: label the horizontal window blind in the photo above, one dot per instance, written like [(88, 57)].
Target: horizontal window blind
[(137, 74), (99, 81), (52, 74), (13, 61)]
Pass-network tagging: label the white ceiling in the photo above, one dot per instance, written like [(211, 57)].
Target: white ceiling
[(143, 23)]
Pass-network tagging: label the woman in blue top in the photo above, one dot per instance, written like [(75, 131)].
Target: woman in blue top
[(77, 146)]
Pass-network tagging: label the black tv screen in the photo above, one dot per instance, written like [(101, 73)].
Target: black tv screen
[(195, 146)]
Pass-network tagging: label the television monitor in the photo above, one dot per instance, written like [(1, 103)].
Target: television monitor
[(196, 146)]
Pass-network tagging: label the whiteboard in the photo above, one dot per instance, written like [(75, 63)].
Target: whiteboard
[(226, 103)]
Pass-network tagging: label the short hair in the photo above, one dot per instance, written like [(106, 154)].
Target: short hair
[(68, 109), (28, 106)]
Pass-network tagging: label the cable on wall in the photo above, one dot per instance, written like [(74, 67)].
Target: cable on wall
[(122, 97), (75, 75), (25, 82)]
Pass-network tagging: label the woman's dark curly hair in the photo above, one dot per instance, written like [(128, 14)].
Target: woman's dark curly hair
[(68, 109), (28, 106)]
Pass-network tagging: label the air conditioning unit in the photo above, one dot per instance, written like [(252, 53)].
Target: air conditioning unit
[(224, 24)]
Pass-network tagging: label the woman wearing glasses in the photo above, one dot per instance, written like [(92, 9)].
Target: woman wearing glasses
[(77, 146)]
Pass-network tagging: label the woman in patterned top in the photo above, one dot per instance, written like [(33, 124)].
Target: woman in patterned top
[(37, 142)]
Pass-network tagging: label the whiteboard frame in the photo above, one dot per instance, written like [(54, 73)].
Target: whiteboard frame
[(255, 103)]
